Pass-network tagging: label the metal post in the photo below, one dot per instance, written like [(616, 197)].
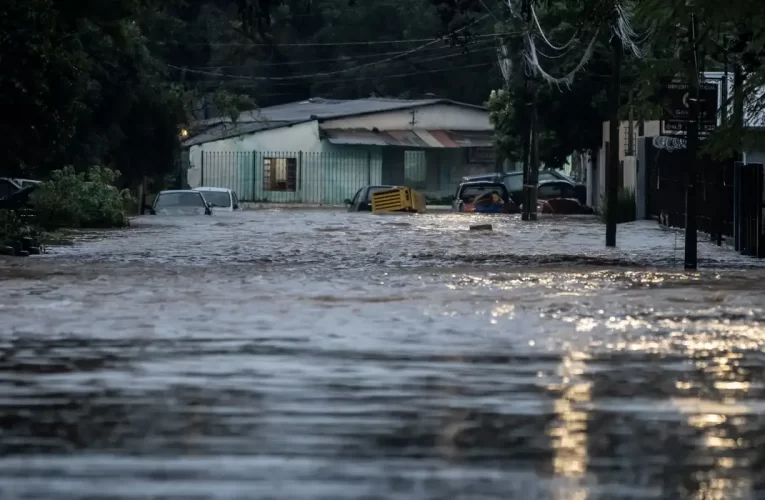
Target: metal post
[(630, 131), (526, 148), (202, 168), (525, 195), (612, 173), (691, 174), (721, 166), (738, 122), (534, 174), (299, 175), (758, 206), (369, 168)]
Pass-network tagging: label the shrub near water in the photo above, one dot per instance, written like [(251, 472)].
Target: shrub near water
[(625, 206), (87, 200), (13, 227)]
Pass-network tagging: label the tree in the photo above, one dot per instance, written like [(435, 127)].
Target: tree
[(728, 35)]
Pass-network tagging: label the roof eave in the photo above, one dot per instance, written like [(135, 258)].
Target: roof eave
[(437, 102)]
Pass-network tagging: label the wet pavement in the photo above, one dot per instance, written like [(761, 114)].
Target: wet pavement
[(324, 355)]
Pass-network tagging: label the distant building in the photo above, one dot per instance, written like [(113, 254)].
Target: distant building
[(634, 168), (323, 150)]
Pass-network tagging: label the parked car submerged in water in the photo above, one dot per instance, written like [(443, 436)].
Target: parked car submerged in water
[(483, 197), (180, 202), (221, 199), (362, 200), (513, 181), (559, 197)]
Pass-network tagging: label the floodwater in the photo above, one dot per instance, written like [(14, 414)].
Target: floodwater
[(325, 355)]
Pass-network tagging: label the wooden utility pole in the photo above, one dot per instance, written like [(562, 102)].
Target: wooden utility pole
[(612, 169), (691, 174)]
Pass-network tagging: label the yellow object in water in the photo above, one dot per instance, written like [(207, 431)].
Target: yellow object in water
[(401, 199)]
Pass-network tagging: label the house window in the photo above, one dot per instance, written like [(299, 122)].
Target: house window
[(279, 174)]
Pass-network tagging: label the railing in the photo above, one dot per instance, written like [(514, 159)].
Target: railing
[(714, 192), (287, 177), (731, 199), (322, 178)]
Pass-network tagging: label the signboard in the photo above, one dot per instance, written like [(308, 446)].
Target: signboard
[(676, 103)]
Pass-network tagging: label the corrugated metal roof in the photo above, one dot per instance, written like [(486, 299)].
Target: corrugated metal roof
[(322, 109), (313, 109), (225, 130), (411, 138)]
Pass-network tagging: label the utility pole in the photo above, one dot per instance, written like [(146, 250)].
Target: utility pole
[(691, 203), (612, 169), (738, 124), (534, 174), (526, 148), (721, 169), (525, 197)]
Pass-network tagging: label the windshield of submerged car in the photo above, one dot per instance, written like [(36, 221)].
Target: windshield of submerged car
[(177, 200), (470, 193), (556, 190), (217, 198)]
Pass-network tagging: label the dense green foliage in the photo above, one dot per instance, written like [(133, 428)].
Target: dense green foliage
[(113, 82), (81, 200)]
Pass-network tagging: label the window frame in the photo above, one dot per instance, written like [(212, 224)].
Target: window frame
[(289, 185)]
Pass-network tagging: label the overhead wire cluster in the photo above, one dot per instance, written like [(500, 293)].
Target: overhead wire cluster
[(390, 57), (620, 26)]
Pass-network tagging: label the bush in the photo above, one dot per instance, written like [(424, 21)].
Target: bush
[(14, 228), (625, 206), (85, 200)]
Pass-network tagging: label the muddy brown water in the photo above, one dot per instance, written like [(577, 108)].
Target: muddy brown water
[(325, 355)]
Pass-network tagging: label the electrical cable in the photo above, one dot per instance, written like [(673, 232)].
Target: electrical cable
[(328, 73), (300, 77)]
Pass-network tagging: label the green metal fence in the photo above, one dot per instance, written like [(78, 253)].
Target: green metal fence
[(288, 177)]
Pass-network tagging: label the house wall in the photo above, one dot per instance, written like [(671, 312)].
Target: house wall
[(440, 116), (300, 137), (630, 168)]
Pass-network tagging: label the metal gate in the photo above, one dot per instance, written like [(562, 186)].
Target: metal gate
[(748, 207)]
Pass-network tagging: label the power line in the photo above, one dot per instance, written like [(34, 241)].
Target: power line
[(381, 77), (328, 73), (330, 44), (339, 58), (300, 77)]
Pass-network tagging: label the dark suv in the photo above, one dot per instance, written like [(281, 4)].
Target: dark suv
[(514, 182)]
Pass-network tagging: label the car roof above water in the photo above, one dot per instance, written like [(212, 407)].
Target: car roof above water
[(483, 183), (213, 189)]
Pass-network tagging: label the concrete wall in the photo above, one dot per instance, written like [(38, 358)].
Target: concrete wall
[(630, 169), (441, 116)]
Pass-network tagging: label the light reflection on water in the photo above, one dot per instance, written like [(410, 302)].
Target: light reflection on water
[(326, 355)]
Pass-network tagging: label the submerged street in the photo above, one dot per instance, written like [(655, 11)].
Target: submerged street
[(317, 354)]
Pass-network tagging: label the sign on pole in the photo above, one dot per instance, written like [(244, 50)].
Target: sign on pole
[(676, 103)]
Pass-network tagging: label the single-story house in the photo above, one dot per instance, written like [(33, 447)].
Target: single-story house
[(323, 150)]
